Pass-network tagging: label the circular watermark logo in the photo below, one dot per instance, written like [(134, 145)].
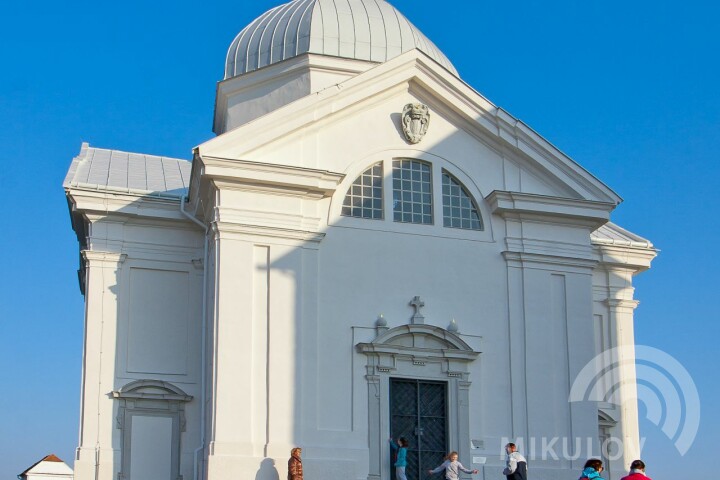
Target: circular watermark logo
[(663, 385)]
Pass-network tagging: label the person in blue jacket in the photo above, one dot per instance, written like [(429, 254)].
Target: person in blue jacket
[(592, 470), (401, 460)]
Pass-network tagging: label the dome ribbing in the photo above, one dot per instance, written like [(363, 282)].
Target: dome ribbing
[(371, 30)]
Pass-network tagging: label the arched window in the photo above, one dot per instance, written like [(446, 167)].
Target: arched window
[(364, 198), (412, 192), (459, 208)]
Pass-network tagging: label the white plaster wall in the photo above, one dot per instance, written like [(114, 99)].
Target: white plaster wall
[(322, 302), (143, 321), (252, 95)]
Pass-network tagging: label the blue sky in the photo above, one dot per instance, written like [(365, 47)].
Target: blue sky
[(627, 89)]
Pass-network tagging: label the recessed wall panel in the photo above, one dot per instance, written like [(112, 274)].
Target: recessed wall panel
[(151, 448), (158, 322)]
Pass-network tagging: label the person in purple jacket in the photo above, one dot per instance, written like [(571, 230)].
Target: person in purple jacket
[(452, 467)]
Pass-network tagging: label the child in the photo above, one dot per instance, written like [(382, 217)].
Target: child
[(592, 470), (452, 467), (401, 461)]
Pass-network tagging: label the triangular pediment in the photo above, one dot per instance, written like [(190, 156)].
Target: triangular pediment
[(361, 116)]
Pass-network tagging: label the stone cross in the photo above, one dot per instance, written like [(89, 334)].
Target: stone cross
[(417, 317)]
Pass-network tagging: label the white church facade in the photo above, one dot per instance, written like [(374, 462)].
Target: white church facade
[(368, 248)]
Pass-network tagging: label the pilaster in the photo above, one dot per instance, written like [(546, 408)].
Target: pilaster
[(621, 316), (550, 263), (95, 455)]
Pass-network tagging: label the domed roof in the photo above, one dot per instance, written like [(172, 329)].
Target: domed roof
[(371, 30)]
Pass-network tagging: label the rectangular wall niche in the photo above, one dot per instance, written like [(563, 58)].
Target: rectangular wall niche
[(151, 447), (158, 322)]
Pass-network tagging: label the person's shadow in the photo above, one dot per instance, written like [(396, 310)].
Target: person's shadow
[(267, 470)]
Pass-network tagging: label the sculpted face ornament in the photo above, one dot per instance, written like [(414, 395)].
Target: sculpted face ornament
[(415, 121)]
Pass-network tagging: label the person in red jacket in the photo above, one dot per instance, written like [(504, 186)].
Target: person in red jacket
[(637, 471)]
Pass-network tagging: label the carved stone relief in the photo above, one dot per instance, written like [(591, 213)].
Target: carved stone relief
[(415, 121)]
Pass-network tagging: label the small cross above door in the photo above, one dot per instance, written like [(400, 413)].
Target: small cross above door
[(417, 304)]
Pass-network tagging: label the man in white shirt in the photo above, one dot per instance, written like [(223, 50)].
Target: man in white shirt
[(515, 464)]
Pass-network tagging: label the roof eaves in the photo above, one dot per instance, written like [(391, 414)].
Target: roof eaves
[(129, 191)]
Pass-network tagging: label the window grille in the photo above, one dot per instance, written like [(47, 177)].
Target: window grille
[(412, 192), (364, 198), (459, 208)]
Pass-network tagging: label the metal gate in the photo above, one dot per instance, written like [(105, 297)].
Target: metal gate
[(418, 412)]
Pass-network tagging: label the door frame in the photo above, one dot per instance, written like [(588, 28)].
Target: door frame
[(153, 398), (417, 352)]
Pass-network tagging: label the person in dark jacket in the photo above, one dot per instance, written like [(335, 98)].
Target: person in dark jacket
[(295, 471), (515, 464), (637, 471)]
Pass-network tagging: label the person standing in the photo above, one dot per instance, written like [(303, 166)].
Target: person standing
[(295, 470), (637, 471), (400, 449), (452, 467), (515, 464), (592, 470)]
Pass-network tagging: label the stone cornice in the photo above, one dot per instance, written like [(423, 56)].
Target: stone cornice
[(419, 354), (124, 203), (104, 259), (621, 304), (551, 248), (242, 231), (306, 182), (637, 259), (550, 262), (518, 205), (261, 218)]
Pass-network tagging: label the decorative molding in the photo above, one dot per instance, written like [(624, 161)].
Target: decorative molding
[(628, 305), (453, 341), (415, 122), (388, 349), (549, 262), (99, 258), (549, 248), (234, 230), (573, 211), (290, 180), (273, 219), (150, 398), (106, 202), (152, 390), (605, 419), (612, 256)]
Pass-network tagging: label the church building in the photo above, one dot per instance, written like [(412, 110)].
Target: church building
[(368, 248)]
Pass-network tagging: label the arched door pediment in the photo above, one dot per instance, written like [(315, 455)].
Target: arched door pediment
[(419, 341)]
